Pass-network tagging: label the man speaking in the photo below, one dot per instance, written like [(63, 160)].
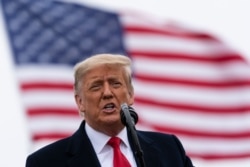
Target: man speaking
[(102, 84)]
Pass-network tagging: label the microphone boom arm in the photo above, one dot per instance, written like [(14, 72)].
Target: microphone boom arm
[(126, 113)]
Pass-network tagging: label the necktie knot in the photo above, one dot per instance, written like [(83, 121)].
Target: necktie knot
[(114, 142)]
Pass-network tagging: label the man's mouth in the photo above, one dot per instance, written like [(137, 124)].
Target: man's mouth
[(109, 107)]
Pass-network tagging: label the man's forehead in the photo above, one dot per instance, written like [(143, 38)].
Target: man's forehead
[(106, 77)]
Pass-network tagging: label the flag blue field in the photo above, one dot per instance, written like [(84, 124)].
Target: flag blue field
[(187, 82)]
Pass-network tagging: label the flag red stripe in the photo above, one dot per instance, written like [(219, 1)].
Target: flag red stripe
[(49, 136), (225, 84), (215, 59), (181, 34), (194, 108), (219, 156), (195, 133), (52, 111), (46, 85)]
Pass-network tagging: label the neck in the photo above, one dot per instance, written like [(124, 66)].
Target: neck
[(113, 131), (110, 129)]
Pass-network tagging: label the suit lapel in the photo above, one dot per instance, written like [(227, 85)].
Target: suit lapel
[(81, 150), (150, 153)]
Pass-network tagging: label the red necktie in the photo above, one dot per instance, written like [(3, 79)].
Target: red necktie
[(119, 159)]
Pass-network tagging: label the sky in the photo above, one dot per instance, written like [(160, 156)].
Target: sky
[(226, 19)]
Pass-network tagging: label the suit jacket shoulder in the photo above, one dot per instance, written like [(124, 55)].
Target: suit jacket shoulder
[(73, 151)]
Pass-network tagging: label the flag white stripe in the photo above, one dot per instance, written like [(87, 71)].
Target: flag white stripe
[(31, 73), (216, 146), (47, 98), (143, 42), (239, 96), (51, 123), (144, 21)]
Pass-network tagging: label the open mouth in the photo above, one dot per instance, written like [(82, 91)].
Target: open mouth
[(110, 107)]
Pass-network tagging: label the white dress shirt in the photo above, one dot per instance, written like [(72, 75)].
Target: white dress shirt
[(104, 151)]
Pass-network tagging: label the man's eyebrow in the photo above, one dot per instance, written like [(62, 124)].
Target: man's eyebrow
[(96, 81)]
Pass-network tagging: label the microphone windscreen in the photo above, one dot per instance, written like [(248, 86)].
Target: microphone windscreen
[(132, 113)]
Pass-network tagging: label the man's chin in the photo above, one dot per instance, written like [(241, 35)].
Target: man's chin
[(112, 122)]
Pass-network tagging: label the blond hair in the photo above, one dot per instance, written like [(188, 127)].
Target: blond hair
[(84, 66)]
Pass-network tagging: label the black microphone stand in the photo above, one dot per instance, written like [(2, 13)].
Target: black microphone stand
[(130, 124)]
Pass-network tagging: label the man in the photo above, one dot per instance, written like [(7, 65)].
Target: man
[(102, 84)]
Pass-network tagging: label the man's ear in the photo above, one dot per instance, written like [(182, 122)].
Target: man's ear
[(131, 97), (80, 104)]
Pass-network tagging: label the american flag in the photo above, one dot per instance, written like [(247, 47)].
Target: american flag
[(187, 82)]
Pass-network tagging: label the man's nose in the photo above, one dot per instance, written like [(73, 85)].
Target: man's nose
[(107, 92)]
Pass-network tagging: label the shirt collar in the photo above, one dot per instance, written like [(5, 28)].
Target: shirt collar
[(99, 140)]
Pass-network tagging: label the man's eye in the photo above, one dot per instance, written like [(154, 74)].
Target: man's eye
[(116, 84), (95, 87)]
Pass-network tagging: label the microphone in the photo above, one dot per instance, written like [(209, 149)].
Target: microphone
[(132, 113)]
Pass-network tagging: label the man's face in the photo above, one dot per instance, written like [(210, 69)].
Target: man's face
[(104, 89)]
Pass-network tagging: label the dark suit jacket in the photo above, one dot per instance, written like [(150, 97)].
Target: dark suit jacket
[(159, 150)]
